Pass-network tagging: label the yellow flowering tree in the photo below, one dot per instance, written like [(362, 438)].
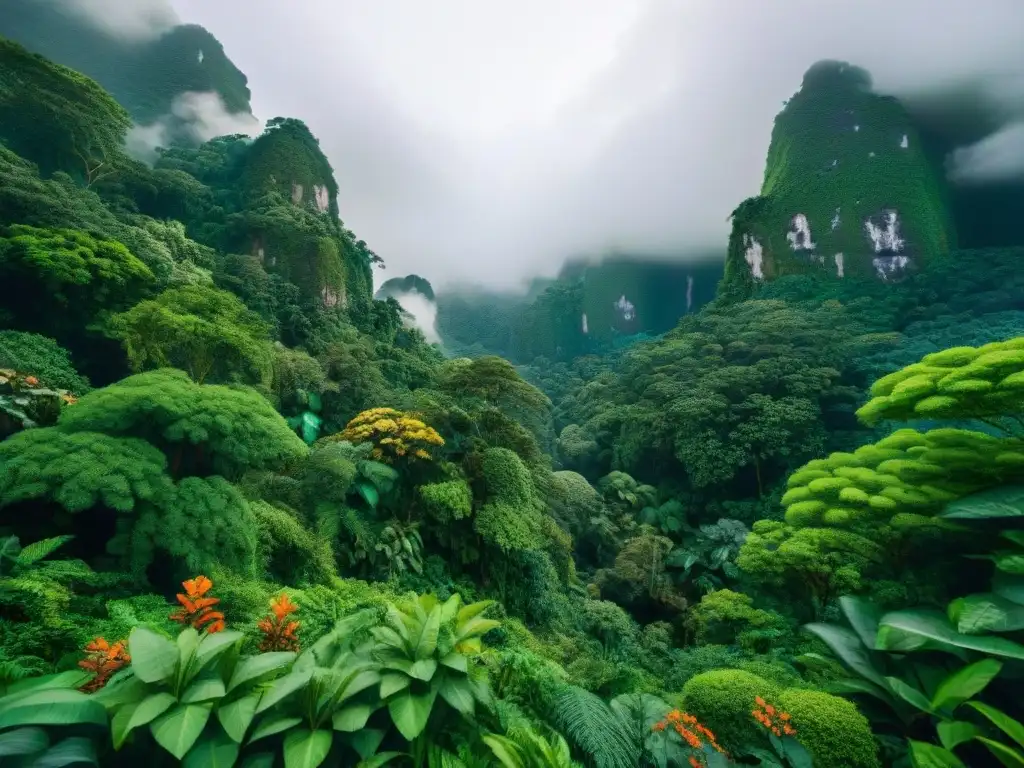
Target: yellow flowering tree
[(394, 435)]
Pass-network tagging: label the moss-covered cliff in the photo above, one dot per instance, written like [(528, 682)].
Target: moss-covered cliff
[(848, 189), (290, 198), (145, 76)]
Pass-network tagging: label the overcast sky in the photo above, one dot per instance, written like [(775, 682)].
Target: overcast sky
[(488, 140)]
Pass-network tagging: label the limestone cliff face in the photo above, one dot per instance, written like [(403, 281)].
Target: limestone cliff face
[(848, 189), (291, 223), (145, 76)]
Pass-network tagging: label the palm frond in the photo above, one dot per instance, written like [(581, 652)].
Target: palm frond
[(591, 725)]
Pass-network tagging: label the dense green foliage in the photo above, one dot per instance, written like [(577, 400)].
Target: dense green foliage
[(249, 515)]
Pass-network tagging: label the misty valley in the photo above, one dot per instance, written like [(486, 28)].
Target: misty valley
[(267, 501)]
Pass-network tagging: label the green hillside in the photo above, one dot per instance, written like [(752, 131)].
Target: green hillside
[(145, 76), (848, 189)]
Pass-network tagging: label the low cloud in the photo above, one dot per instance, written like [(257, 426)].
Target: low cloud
[(463, 154), (195, 117), (134, 20), (423, 312), (999, 157)]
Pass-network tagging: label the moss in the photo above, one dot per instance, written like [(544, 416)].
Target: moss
[(838, 149), (831, 729), (723, 699)]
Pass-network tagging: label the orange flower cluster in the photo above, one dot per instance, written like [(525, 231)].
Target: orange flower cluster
[(197, 609), (692, 732), (774, 720), (278, 630), (102, 659)]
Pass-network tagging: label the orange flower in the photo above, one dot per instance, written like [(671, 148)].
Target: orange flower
[(279, 632), (196, 610), (692, 732), (31, 381), (102, 660), (772, 719)]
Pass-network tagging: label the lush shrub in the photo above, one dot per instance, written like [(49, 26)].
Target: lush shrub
[(722, 699), (831, 729), (42, 357)]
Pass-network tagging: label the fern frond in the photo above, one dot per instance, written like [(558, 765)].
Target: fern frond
[(37, 550), (594, 728)]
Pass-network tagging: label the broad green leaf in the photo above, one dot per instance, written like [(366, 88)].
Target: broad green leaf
[(360, 682), (353, 717), (378, 760), (965, 683), (1012, 563), (212, 751), (858, 685), (56, 706), (147, 710), (863, 617), (953, 733), (72, 678), (393, 682), (74, 751), (934, 626), (924, 755), (214, 645), (154, 657), (235, 717), (204, 689), (795, 752), (1009, 586), (456, 691), (896, 640), (848, 648), (24, 741), (306, 749), (284, 687), (367, 741), (410, 711), (989, 613), (119, 724), (424, 640), (258, 668), (1001, 720), (1002, 502), (456, 661), (423, 669), (450, 608), (187, 642), (471, 611), (1009, 757), (272, 726), (178, 729), (476, 627), (117, 694), (909, 694)]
